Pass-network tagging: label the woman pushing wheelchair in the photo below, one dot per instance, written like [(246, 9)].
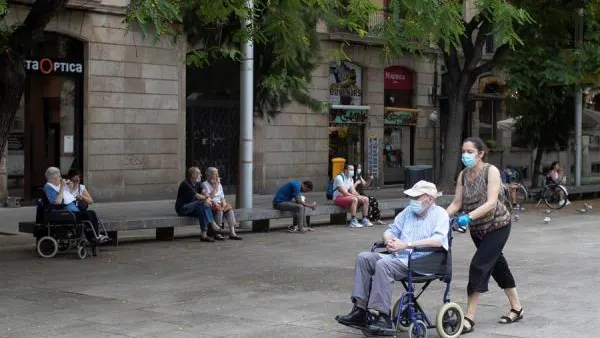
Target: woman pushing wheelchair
[(477, 190)]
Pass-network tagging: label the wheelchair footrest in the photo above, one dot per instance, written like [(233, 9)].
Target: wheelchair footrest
[(378, 333)]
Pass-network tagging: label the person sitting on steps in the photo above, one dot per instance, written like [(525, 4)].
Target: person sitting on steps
[(345, 196)]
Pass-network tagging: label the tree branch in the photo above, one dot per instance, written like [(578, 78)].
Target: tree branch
[(500, 54), (482, 34), (42, 11), (451, 61)]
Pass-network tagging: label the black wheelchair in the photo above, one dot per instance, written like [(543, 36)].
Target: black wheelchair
[(407, 315), (59, 230)]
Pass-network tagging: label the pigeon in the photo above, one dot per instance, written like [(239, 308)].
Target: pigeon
[(588, 206), (583, 210), (516, 218), (547, 220)]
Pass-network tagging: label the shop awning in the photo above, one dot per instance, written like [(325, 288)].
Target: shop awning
[(344, 114), (400, 116)]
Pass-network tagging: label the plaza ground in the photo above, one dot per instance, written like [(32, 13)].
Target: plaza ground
[(283, 285)]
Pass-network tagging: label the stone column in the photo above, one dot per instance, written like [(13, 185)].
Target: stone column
[(3, 177)]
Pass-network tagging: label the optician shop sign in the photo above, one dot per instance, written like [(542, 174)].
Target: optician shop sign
[(48, 66)]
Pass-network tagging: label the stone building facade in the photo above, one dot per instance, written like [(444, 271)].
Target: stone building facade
[(296, 143), (129, 109)]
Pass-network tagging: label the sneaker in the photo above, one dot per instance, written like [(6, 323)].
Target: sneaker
[(292, 228), (355, 224), (366, 222)]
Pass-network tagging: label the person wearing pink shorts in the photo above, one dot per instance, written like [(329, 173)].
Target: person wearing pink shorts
[(345, 196)]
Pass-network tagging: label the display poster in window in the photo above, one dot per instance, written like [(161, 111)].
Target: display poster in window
[(373, 157), (16, 142), (345, 83)]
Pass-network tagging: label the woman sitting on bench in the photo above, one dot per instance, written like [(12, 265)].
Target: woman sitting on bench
[(58, 192), (192, 201)]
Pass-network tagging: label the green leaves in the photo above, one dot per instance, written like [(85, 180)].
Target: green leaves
[(158, 17)]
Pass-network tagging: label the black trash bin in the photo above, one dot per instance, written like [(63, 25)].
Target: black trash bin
[(415, 173)]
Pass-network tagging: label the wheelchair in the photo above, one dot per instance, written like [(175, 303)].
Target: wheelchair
[(407, 315), (59, 230)]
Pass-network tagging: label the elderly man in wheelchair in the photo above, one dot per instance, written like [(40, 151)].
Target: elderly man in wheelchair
[(417, 247)]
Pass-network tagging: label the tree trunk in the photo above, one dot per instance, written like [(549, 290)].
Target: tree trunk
[(537, 163), (457, 103), (12, 82)]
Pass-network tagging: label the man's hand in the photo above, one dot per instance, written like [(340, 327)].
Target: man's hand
[(313, 205), (395, 245)]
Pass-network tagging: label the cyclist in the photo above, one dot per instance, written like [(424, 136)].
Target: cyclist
[(556, 176), (511, 180)]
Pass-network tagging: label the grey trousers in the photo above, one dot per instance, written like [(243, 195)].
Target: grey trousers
[(298, 210), (373, 280), (229, 216)]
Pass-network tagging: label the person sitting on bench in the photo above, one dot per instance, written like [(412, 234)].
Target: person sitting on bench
[(191, 201), (345, 196), (289, 198)]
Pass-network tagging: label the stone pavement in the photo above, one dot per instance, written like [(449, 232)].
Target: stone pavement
[(10, 217), (283, 285)]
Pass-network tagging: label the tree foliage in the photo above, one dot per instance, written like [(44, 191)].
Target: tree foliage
[(543, 73), (460, 33), (285, 41)]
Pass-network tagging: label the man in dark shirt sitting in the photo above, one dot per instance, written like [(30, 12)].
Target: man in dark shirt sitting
[(192, 202), (289, 198)]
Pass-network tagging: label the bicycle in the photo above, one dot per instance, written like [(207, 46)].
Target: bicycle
[(554, 195)]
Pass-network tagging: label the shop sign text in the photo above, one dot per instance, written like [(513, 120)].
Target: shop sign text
[(48, 66)]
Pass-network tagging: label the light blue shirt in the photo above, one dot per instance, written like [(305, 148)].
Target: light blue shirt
[(408, 227)]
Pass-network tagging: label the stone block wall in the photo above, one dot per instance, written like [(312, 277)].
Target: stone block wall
[(134, 106)]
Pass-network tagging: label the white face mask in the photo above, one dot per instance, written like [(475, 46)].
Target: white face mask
[(359, 171)]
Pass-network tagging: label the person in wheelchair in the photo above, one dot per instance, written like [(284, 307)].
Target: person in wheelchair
[(58, 193), (421, 224)]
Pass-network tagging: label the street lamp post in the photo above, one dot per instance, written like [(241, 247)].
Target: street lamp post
[(578, 104), (433, 119)]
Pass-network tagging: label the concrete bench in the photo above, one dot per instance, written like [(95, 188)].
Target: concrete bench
[(260, 218)]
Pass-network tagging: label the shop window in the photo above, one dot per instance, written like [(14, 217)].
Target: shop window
[(596, 168)]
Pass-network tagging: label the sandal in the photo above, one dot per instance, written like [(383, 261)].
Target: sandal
[(510, 319), (219, 237), (468, 329), (235, 238)]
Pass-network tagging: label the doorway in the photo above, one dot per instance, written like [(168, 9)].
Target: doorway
[(48, 127)]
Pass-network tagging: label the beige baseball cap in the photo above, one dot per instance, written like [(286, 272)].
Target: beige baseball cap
[(423, 188)]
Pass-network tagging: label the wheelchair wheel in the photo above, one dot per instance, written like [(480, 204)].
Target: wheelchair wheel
[(82, 251), (449, 321), (417, 329), (555, 196), (403, 323), (47, 247)]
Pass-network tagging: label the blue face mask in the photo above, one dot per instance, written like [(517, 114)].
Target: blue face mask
[(416, 207), (351, 173), (468, 160)]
